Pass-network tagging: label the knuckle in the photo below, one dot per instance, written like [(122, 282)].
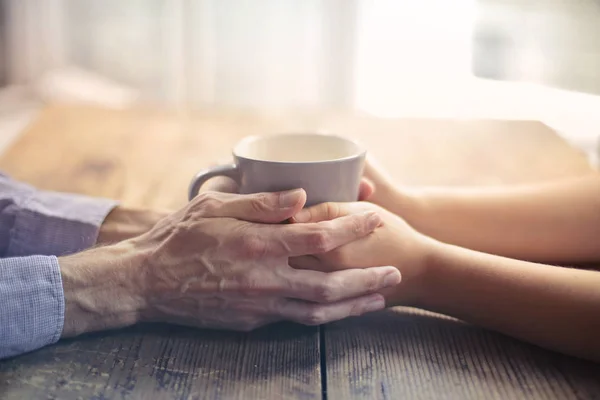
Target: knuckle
[(319, 241), (182, 229), (328, 291), (356, 310), (253, 246), (315, 316), (262, 202), (332, 210), (207, 203), (357, 225), (371, 280)]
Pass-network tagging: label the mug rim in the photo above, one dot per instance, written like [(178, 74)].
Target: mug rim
[(253, 138)]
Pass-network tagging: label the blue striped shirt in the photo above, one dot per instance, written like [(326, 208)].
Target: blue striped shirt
[(36, 227)]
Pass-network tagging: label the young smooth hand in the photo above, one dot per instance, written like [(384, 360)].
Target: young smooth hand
[(392, 243)]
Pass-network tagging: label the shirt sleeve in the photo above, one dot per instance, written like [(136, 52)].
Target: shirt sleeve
[(34, 222), (36, 227), (33, 305)]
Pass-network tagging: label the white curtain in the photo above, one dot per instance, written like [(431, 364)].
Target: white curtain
[(241, 53), (2, 46), (370, 54)]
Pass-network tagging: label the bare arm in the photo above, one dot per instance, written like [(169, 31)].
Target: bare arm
[(557, 308), (554, 307), (551, 222)]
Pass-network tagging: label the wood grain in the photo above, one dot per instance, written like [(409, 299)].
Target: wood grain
[(410, 354), (168, 362), (405, 353), (146, 157)]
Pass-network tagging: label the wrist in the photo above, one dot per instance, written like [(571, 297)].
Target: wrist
[(416, 269), (438, 276), (124, 223), (101, 289)]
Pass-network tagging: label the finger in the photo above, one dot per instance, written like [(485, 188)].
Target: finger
[(221, 184), (316, 314), (260, 207), (366, 189), (328, 287), (315, 238), (328, 211), (321, 212)]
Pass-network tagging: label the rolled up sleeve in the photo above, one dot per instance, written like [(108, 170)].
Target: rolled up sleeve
[(35, 228), (33, 305), (34, 222)]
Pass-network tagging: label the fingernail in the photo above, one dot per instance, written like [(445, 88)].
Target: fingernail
[(392, 278), (374, 305), (373, 219), (302, 216), (290, 198)]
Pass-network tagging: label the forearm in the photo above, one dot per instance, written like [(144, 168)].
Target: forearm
[(557, 308), (102, 289), (555, 222)]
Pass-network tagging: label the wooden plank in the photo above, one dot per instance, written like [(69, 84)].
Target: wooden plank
[(411, 354), (168, 362), (405, 353)]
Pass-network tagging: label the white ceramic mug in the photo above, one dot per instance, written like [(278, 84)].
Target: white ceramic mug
[(327, 167)]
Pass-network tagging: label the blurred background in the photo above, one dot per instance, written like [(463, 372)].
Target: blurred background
[(521, 59)]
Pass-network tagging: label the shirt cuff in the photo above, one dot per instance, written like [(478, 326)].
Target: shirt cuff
[(33, 304), (53, 223)]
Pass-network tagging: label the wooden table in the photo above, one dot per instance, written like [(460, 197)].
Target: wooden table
[(146, 157)]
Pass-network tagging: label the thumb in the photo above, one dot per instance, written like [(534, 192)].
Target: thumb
[(259, 207), (320, 212), (329, 211)]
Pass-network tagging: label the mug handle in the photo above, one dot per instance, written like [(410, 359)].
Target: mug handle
[(230, 171)]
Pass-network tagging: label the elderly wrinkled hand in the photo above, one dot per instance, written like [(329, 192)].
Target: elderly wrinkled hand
[(223, 262)]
